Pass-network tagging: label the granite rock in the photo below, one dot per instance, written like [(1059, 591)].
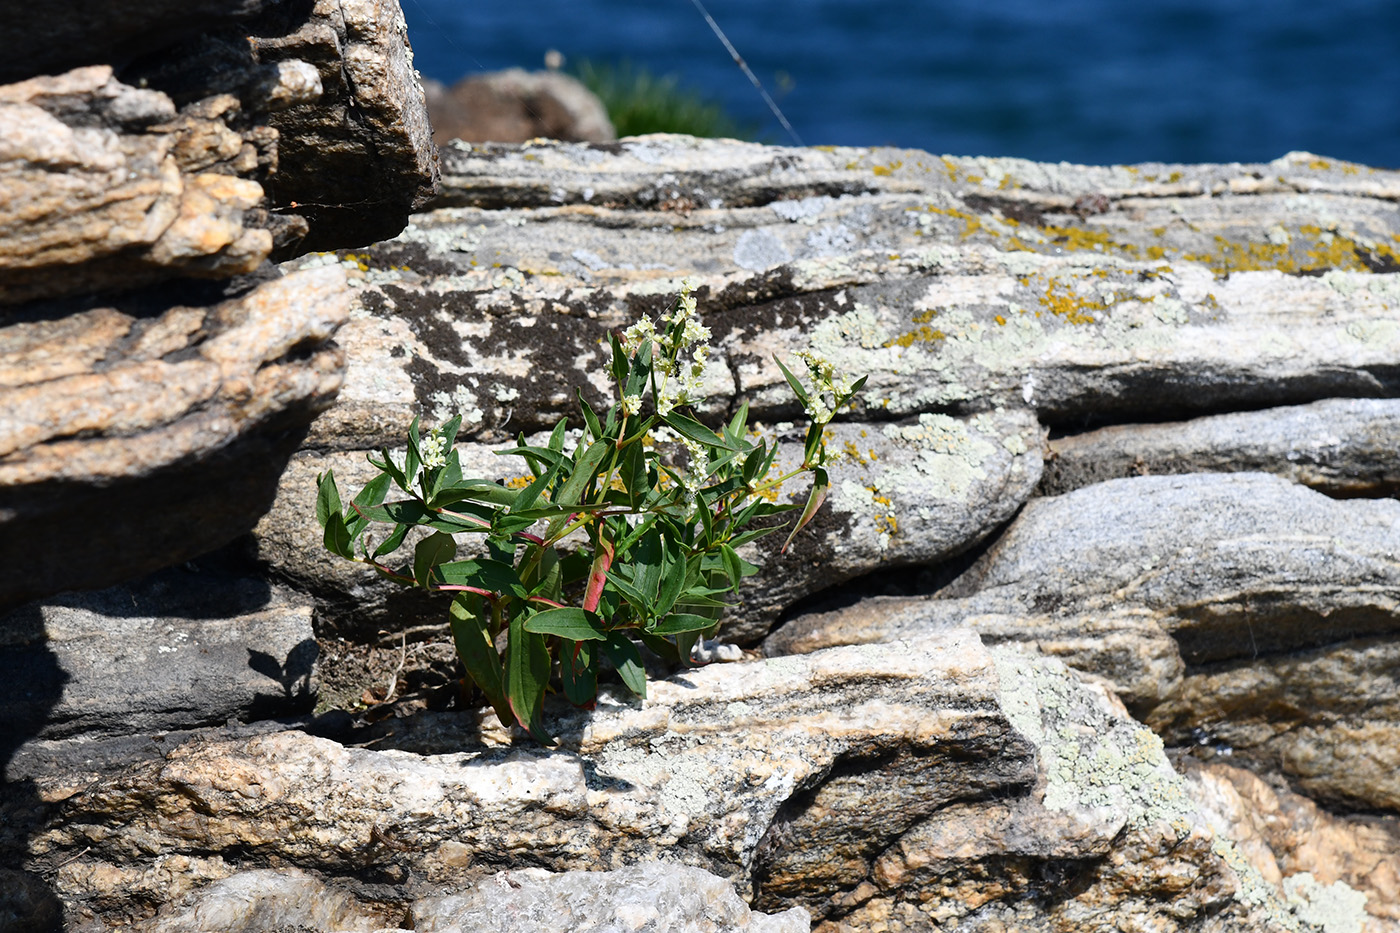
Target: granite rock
[(209, 648), (108, 186)]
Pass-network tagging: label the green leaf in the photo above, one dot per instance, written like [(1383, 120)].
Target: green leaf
[(392, 543), (483, 573), (820, 486), (578, 671), (436, 548), (388, 466), (477, 490), (680, 622), (638, 600), (373, 494), (414, 458), (528, 496), (661, 647), (446, 477), (641, 370), (812, 445), (733, 566), (532, 455), (634, 472), (619, 365), (696, 431), (327, 498), (793, 381), (753, 463), (556, 437), (570, 622), (337, 537), (739, 422), (449, 431), (527, 674), (478, 654), (585, 469), (673, 574), (624, 656), (590, 418)]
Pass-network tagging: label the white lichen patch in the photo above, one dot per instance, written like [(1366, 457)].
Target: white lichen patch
[(948, 458)]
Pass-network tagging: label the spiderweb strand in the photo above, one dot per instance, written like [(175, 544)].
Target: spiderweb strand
[(753, 78)]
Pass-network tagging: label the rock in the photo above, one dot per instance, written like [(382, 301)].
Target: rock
[(1232, 610), (1343, 447), (209, 648), (514, 106), (1287, 836), (26, 905), (267, 899), (961, 323), (173, 416), (357, 162), (879, 787), (214, 151), (954, 479), (106, 188), (649, 896)]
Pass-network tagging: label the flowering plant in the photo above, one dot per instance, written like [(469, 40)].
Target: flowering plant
[(662, 501)]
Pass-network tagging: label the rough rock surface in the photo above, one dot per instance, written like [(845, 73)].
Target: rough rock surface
[(107, 185), (1223, 607), (356, 162), (209, 648), (174, 417), (1285, 835), (303, 129), (845, 782), (1343, 447), (956, 296), (515, 106)]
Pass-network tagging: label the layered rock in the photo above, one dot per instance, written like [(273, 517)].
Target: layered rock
[(1343, 447), (749, 771), (210, 648), (1223, 607), (175, 420)]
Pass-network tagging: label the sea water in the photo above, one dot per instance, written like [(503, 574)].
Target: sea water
[(1080, 80)]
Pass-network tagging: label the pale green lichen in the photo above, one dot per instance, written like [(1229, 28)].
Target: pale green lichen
[(1332, 908), (1095, 758)]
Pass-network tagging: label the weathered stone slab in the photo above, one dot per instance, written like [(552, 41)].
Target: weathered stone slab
[(1343, 447), (848, 782), (175, 650), (516, 105), (1230, 609), (137, 435)]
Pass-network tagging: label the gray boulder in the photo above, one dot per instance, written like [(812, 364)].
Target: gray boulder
[(875, 786)]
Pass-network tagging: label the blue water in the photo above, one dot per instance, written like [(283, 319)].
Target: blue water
[(1078, 80)]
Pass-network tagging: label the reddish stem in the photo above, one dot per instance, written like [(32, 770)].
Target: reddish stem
[(598, 576)]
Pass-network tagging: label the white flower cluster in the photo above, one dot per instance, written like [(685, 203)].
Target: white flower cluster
[(682, 380), (825, 380), (697, 470), (434, 450)]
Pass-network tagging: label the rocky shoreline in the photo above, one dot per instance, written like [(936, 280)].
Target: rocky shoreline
[(1098, 629)]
